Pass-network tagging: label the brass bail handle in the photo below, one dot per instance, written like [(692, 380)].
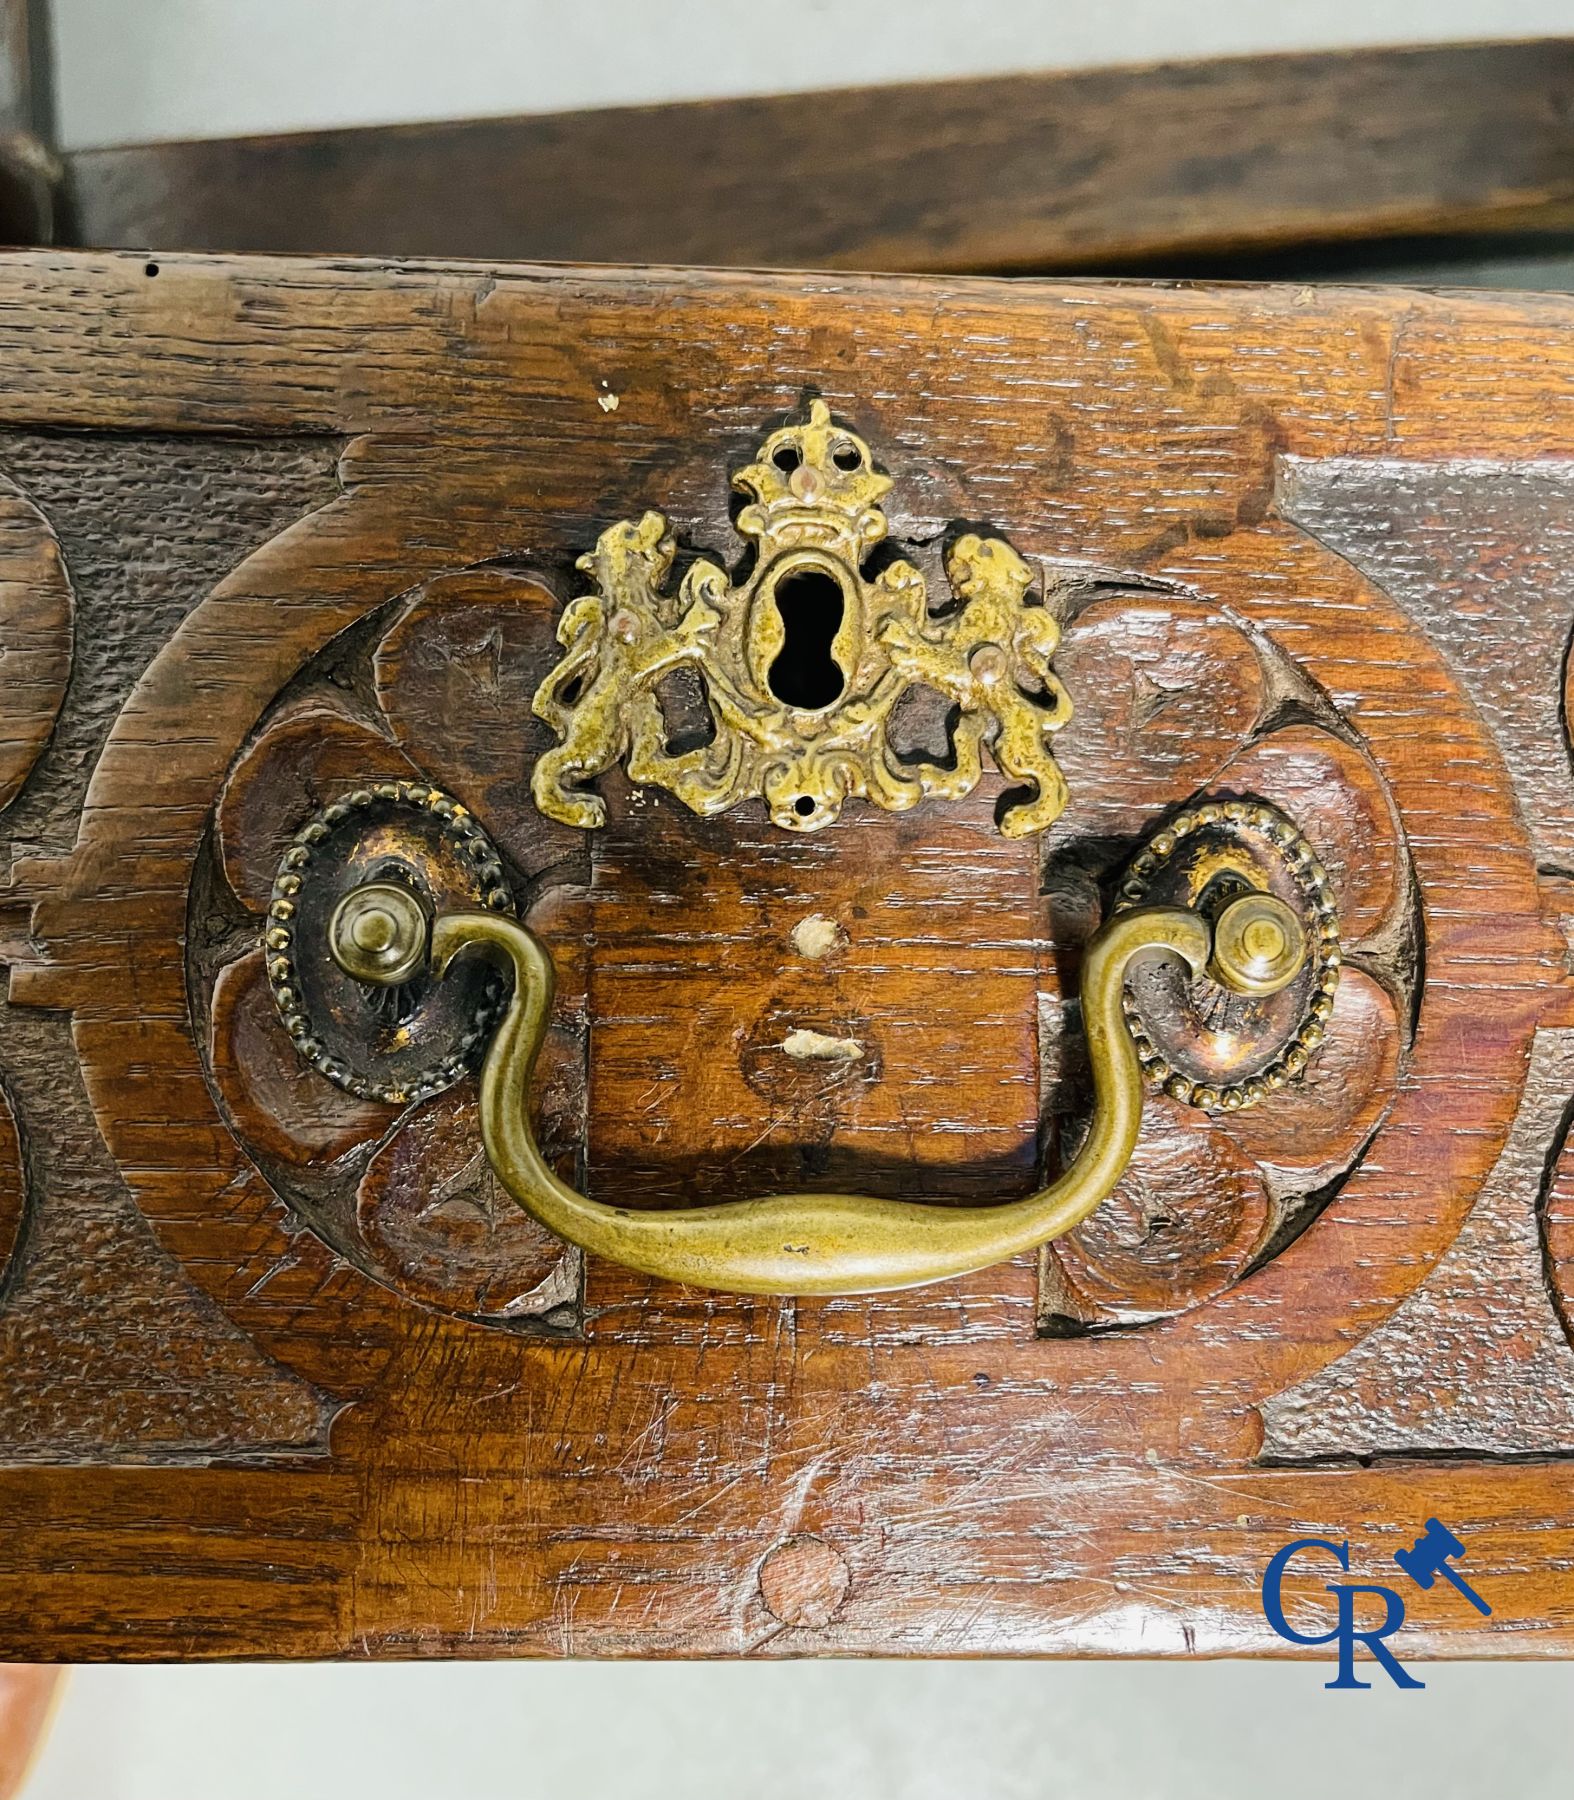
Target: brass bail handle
[(802, 1244)]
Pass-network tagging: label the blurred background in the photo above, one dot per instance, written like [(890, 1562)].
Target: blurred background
[(214, 68), (138, 71), (789, 1731)]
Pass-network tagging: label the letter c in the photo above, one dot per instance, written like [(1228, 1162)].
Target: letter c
[(1273, 1580)]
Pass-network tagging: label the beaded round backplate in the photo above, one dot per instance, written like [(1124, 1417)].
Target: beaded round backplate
[(1188, 1030), (400, 1043)]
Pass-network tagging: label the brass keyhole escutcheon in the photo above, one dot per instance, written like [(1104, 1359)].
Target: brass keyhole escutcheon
[(805, 658)]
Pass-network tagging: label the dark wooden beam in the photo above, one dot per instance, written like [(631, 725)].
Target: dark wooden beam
[(29, 172), (1014, 173)]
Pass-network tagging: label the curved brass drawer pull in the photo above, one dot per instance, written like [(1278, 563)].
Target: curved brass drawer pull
[(823, 1243)]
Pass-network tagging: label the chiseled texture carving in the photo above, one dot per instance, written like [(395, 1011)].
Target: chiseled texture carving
[(157, 1373), (148, 524), (1476, 1360), (1557, 1224), (13, 1189), (1482, 555)]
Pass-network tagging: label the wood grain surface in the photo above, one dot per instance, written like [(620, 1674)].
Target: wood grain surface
[(1036, 171), (1304, 545), (36, 614)]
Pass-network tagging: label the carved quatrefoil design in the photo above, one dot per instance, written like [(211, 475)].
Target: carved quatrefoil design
[(803, 663)]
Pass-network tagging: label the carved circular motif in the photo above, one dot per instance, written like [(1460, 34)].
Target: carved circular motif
[(36, 614), (443, 691), (356, 1100), (1191, 784)]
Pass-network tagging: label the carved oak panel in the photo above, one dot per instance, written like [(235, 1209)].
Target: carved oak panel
[(1141, 597)]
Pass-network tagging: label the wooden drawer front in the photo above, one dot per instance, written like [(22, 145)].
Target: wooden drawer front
[(284, 1370)]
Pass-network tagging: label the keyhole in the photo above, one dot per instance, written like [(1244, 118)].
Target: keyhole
[(805, 674)]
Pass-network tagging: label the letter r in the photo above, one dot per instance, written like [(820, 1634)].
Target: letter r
[(1347, 1632)]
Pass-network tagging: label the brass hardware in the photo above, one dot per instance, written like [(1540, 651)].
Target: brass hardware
[(1276, 957), (1258, 945), (346, 940), (378, 933), (835, 1243), (804, 747)]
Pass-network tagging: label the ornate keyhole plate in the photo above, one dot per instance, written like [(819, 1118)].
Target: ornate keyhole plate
[(800, 694)]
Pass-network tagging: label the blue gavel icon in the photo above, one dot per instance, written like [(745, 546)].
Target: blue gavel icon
[(1427, 1558)]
